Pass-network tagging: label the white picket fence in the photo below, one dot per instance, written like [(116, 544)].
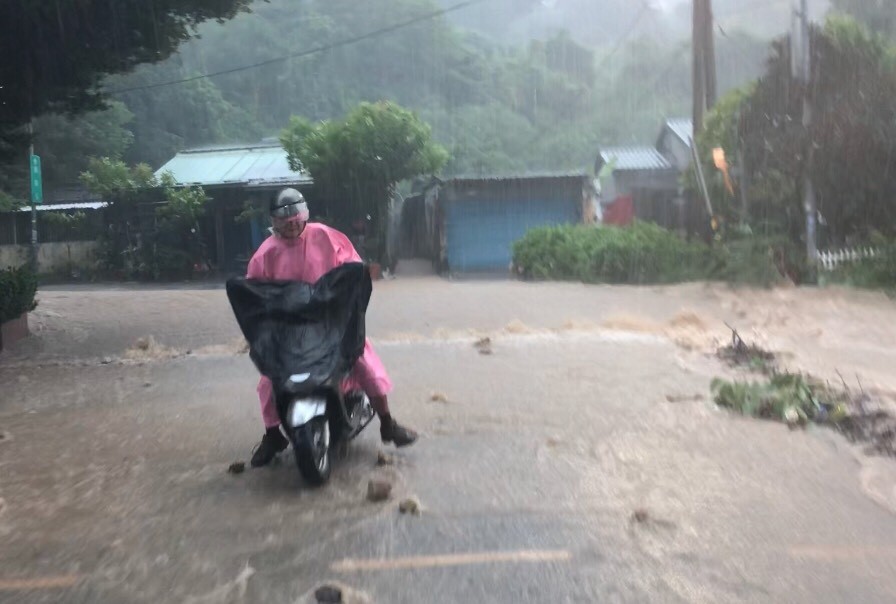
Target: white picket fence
[(831, 259)]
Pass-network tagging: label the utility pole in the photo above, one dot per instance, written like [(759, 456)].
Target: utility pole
[(801, 52), (704, 65), (34, 244), (698, 72)]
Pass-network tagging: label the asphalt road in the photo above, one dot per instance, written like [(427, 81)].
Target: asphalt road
[(570, 465)]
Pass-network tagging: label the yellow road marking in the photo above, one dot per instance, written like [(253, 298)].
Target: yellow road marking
[(58, 582), (841, 552), (350, 565)]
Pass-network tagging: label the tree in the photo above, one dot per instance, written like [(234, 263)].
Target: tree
[(878, 15), (56, 54), (170, 118), (167, 243), (65, 142), (853, 87), (357, 162)]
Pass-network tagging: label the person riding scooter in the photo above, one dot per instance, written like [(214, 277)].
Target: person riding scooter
[(299, 250)]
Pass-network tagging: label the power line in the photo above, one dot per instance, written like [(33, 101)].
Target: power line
[(310, 51)]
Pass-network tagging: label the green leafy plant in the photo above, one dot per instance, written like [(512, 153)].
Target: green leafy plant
[(642, 253), (786, 397), (18, 287), (166, 244)]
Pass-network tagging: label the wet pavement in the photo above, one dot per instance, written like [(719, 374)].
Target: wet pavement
[(555, 469)]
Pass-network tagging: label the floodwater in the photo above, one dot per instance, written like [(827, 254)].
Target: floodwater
[(581, 460)]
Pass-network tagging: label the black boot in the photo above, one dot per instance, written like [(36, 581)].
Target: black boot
[(272, 443), (392, 432)]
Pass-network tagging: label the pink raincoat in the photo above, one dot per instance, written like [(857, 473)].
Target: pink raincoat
[(316, 252)]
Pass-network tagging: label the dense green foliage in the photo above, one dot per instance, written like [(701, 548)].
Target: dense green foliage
[(56, 54), (18, 287), (536, 98), (854, 97), (164, 243), (647, 253), (640, 254)]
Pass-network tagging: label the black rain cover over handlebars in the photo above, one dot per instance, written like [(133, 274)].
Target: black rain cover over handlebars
[(294, 327)]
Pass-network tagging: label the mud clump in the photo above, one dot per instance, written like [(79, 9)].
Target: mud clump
[(237, 467), (438, 397), (411, 506), (333, 592), (328, 594), (378, 490), (484, 346), (384, 459)]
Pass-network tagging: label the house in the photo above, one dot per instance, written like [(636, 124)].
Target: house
[(69, 223), (644, 182), (239, 179), (477, 219)]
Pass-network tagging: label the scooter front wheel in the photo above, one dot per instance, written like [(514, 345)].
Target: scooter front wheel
[(311, 443)]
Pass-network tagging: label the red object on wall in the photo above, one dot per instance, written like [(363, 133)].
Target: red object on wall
[(621, 212)]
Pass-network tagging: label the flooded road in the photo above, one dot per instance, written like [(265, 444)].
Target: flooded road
[(581, 461)]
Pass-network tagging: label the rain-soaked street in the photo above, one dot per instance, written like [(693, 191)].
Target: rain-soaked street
[(581, 461)]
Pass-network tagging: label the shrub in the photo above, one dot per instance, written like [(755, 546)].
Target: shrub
[(641, 254), (18, 287), (759, 260)]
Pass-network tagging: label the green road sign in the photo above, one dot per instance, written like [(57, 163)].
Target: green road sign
[(37, 187)]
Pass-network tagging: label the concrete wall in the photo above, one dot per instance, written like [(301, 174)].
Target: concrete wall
[(53, 257)]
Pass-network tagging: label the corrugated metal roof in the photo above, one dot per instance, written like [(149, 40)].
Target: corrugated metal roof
[(521, 176), (635, 158), (250, 165), (681, 127), (90, 205)]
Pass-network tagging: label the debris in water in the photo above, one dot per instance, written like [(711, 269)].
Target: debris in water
[(684, 398), (378, 490), (411, 506), (740, 354), (3, 436), (384, 459), (484, 345), (328, 594), (438, 397), (334, 592), (147, 384), (237, 467), (640, 516)]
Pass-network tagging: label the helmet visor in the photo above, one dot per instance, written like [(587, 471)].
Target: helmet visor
[(293, 210)]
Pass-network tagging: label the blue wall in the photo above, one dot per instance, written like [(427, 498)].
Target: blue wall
[(480, 232)]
